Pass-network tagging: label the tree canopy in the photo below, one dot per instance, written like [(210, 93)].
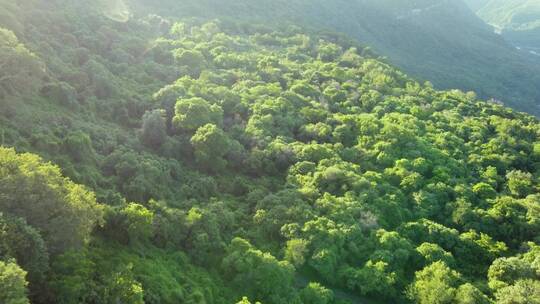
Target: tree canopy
[(236, 163)]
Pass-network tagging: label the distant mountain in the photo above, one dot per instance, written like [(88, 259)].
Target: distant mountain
[(477, 4), (508, 14), (517, 20), (114, 9), (442, 41)]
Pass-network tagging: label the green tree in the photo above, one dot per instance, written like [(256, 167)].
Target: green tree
[(484, 191), (154, 129), (376, 279), (295, 252), (78, 145), (123, 288), (259, 274), (433, 253), (191, 60), (475, 251), (12, 284), (139, 222), (520, 183), (193, 113), (245, 300), (61, 92), (469, 294), (506, 271), (72, 278), (26, 246), (523, 292), (435, 284), (63, 212), (315, 293), (210, 144), (20, 70)]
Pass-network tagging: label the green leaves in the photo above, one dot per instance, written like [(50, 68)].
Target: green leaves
[(296, 251), (154, 129), (435, 284), (12, 284), (139, 222), (365, 170), (515, 279), (274, 152), (210, 145), (193, 113), (193, 61), (63, 212), (315, 293), (523, 292), (259, 274), (25, 244), (20, 70), (520, 183)]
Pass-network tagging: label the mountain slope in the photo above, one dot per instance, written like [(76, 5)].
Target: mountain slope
[(518, 21), (440, 41), (236, 162), (514, 14)]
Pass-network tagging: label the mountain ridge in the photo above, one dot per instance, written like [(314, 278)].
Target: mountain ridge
[(518, 21), (468, 56)]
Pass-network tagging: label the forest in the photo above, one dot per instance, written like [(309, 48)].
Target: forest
[(154, 160), (441, 41)]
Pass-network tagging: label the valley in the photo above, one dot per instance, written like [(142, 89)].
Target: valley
[(518, 21)]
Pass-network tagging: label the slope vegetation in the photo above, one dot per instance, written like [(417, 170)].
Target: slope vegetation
[(116, 10), (440, 41), (221, 162)]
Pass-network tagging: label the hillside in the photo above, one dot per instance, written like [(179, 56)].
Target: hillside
[(518, 21), (196, 161), (440, 41), (117, 10)]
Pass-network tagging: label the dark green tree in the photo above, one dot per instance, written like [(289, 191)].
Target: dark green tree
[(154, 129), (20, 69)]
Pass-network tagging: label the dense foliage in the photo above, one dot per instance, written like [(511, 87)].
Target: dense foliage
[(442, 41), (237, 163)]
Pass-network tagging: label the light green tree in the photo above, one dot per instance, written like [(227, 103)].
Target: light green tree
[(12, 284), (138, 221), (258, 273), (193, 113), (469, 294), (63, 212), (435, 284), (523, 292), (315, 293), (295, 251), (210, 145), (520, 183)]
